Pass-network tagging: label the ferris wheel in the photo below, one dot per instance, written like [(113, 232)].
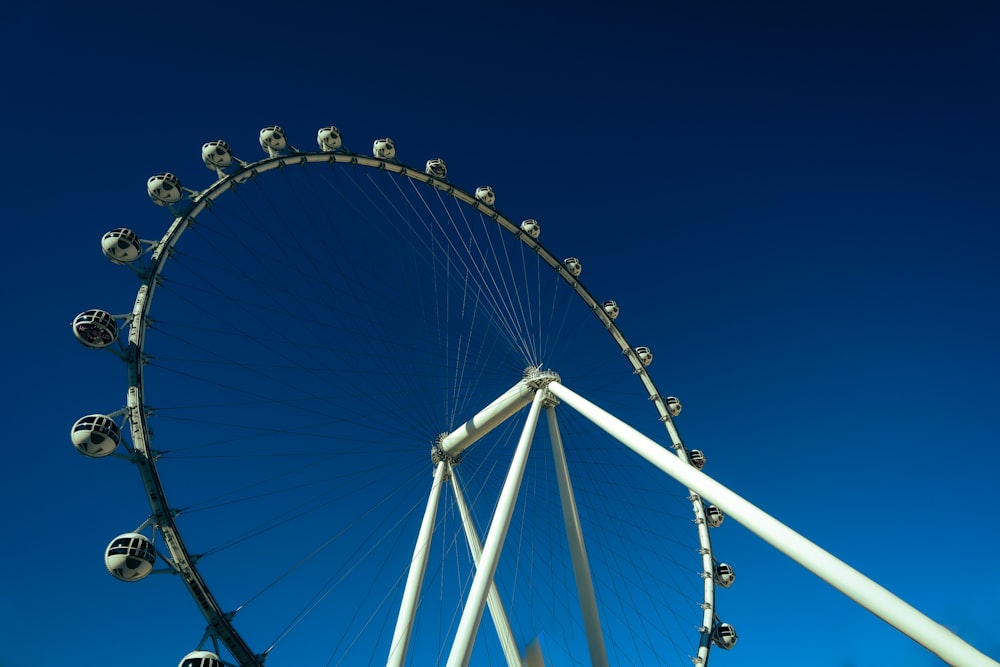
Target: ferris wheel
[(357, 409)]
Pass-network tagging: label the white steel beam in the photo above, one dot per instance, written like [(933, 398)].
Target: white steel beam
[(472, 614), (487, 419), (577, 549), (415, 577), (933, 636), (504, 632)]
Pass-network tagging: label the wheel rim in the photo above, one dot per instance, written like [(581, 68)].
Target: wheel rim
[(488, 298)]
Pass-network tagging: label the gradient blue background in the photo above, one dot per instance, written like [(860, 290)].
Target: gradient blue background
[(804, 201)]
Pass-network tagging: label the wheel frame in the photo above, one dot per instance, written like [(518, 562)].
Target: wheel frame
[(162, 517)]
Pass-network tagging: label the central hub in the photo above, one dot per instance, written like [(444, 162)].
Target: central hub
[(537, 379), (438, 454)]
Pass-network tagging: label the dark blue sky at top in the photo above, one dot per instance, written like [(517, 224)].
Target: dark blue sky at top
[(796, 205)]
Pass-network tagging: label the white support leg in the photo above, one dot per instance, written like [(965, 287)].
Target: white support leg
[(867, 593), (577, 550), (506, 635), (415, 577), (461, 649)]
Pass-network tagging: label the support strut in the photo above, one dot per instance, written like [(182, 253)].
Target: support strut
[(577, 550), (472, 614), (933, 636), (493, 602), (415, 577)]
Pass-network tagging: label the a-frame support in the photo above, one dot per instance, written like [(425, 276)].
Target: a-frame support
[(448, 449), (472, 614), (867, 593)]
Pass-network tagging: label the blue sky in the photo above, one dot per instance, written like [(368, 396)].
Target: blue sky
[(795, 207)]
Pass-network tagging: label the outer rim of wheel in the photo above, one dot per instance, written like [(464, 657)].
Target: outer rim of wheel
[(220, 622)]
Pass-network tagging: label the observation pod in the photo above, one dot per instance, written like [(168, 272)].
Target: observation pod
[(573, 265), (328, 139), (645, 356), (724, 636), (714, 516), (95, 328), (696, 457), (272, 140), (484, 193), (95, 435), (611, 309), (724, 575), (121, 245), (436, 167), (384, 148), (130, 557), (164, 189), (673, 406), (531, 227), (216, 155), (200, 659)]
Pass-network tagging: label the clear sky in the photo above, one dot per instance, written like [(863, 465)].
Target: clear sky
[(796, 208)]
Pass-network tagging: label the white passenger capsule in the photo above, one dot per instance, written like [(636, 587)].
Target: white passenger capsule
[(272, 140), (384, 148), (121, 245), (714, 516), (130, 557), (200, 659), (573, 265), (724, 636), (164, 188), (484, 193), (216, 155), (436, 168), (531, 227), (611, 309), (673, 406), (644, 355), (697, 458), (724, 575), (95, 435), (329, 139), (95, 328)]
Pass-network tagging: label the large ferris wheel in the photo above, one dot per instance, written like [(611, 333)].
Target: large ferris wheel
[(335, 404), (330, 340)]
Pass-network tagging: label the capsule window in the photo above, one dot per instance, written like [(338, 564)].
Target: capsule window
[(120, 546)]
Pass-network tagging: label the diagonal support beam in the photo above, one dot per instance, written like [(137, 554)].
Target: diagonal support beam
[(496, 412), (487, 419), (577, 549), (506, 635), (472, 614), (867, 593), (415, 577)]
